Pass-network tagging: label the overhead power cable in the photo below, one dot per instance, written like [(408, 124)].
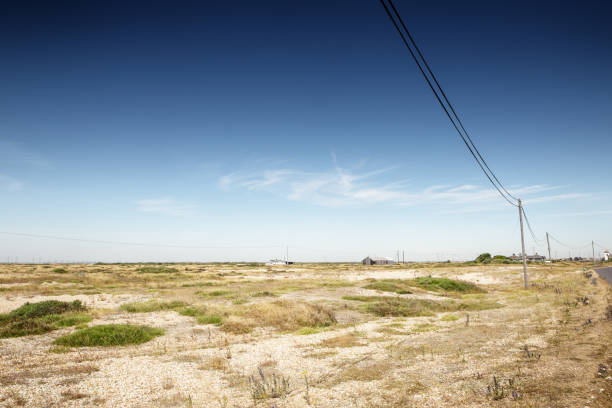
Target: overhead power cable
[(533, 235), (96, 241), (566, 245), (455, 121)]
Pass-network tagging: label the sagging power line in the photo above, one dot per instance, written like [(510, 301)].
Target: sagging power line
[(452, 115), (444, 102)]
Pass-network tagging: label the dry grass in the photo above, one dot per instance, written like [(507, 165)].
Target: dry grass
[(284, 315), (231, 319), (351, 339)]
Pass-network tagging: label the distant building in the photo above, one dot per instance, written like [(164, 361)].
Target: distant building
[(377, 261), (278, 262), (607, 256), (534, 258)]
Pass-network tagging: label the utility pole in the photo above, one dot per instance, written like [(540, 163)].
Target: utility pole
[(593, 247), (520, 207), (548, 242), (403, 257)]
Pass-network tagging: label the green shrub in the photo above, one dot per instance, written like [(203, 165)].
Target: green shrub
[(59, 270), (448, 285), (483, 258), (42, 317), (47, 307), (109, 335), (156, 269)]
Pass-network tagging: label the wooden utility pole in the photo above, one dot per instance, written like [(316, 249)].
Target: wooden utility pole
[(548, 242), (593, 247), (520, 207)]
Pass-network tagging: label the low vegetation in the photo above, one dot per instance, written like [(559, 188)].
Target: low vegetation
[(406, 286), (42, 317), (156, 269), (151, 306), (284, 315), (407, 307), (109, 335)]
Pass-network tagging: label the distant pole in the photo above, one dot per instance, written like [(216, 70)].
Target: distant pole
[(520, 207), (403, 257), (548, 242), (593, 247)]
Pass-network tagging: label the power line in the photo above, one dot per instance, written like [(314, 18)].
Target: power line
[(533, 235), (465, 138), (96, 241), (566, 245)]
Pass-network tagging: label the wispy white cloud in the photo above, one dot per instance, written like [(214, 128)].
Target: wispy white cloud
[(15, 153), (165, 206), (8, 183), (342, 187)]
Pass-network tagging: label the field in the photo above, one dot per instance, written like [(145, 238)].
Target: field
[(304, 335)]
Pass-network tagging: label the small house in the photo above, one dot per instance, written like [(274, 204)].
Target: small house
[(377, 261)]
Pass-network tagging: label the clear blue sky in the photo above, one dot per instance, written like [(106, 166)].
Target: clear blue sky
[(244, 124)]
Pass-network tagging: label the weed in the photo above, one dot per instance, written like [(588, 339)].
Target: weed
[(449, 318), (263, 387), (151, 306), (109, 335), (531, 355), (59, 270)]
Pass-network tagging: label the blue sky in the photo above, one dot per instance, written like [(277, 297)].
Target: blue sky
[(264, 125)]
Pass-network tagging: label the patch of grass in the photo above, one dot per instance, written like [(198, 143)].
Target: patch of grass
[(403, 286), (200, 284), (309, 330), (203, 319), (59, 349), (264, 293), (41, 317), (59, 270), (343, 340), (449, 318), (151, 306), (68, 319), (396, 306), (398, 286), (214, 363), (156, 269), (424, 327), (447, 285), (370, 372), (283, 315), (109, 335)]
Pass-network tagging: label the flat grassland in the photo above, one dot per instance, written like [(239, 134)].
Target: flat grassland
[(304, 335)]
